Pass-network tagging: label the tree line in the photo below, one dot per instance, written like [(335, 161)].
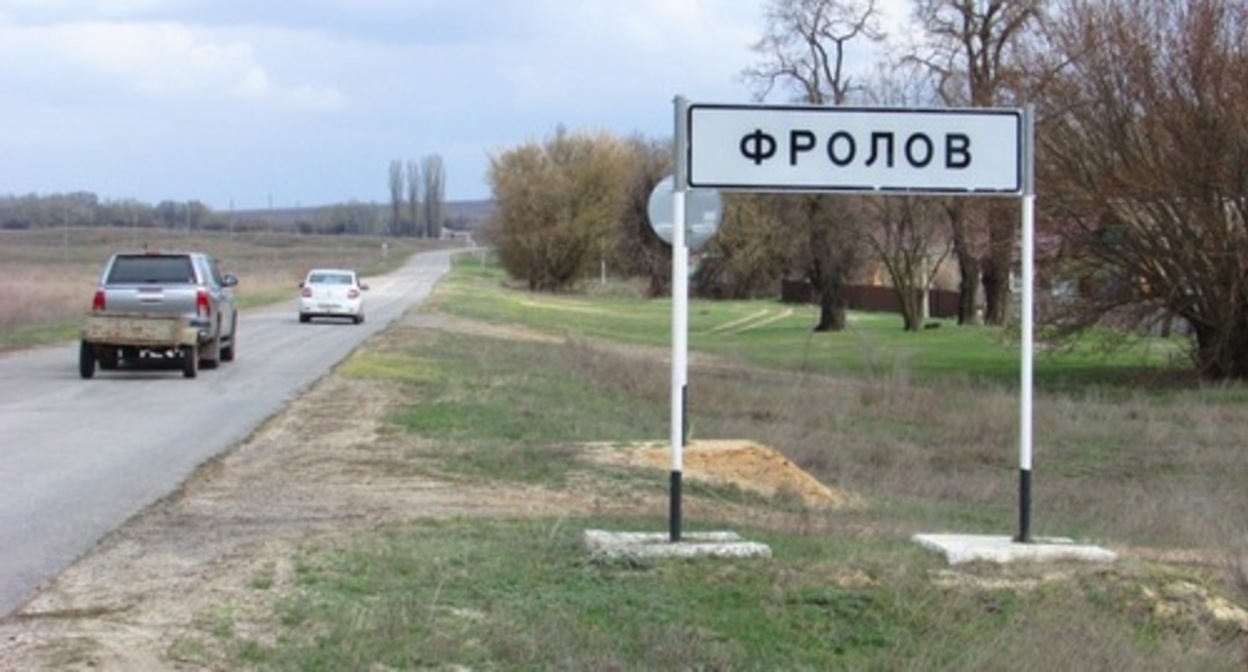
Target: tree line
[(1141, 171), (424, 217), (85, 209)]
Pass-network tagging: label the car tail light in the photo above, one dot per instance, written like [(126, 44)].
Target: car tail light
[(97, 301), (202, 306), (353, 293), (306, 293)]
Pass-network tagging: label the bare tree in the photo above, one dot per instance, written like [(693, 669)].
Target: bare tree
[(1143, 156), (748, 257), (396, 198), (435, 194), (414, 226), (907, 242), (973, 50), (910, 236), (804, 49)]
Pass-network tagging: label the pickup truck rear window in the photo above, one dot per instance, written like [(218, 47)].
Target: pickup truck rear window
[(151, 269)]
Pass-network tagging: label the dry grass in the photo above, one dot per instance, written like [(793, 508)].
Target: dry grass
[(1127, 469), (1136, 468), (1237, 568), (50, 274), (31, 295)]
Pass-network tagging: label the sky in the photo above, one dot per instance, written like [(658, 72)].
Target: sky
[(297, 103)]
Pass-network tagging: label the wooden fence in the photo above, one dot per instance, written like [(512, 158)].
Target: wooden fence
[(942, 303)]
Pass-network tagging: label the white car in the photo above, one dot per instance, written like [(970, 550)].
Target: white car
[(332, 292)]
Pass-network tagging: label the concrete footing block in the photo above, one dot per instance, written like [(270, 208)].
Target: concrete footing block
[(961, 548), (604, 544)]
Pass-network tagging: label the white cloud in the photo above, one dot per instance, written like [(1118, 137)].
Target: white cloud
[(150, 60), (308, 100), (598, 55), (39, 11)]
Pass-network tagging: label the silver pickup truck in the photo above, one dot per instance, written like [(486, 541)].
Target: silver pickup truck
[(172, 306)]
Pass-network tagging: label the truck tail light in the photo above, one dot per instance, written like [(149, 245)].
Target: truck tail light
[(202, 306), (97, 301)]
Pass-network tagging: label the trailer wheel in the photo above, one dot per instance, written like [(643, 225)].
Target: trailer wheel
[(190, 361), (86, 360)]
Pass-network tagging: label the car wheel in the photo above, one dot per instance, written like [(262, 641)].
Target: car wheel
[(86, 360), (304, 318), (190, 361), (228, 348), (214, 354), (211, 354)]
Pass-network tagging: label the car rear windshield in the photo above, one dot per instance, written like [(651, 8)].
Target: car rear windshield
[(152, 269), (330, 279)]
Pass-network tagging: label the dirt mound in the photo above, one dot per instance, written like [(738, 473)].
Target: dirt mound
[(745, 464)]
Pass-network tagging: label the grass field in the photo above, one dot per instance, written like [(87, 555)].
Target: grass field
[(780, 336), (927, 436), (1129, 453)]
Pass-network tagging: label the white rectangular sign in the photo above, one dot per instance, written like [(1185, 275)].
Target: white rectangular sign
[(853, 149)]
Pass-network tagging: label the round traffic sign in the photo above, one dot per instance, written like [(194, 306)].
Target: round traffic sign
[(704, 208)]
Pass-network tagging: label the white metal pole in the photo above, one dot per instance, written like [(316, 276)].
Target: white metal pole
[(680, 317), (1028, 346)]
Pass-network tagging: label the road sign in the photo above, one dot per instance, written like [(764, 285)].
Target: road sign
[(852, 149), (704, 208), (857, 150)]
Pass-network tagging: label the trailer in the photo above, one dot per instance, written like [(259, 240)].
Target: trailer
[(112, 339)]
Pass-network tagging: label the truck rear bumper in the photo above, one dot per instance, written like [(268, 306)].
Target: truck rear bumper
[(140, 330)]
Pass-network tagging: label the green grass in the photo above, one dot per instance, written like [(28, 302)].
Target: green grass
[(521, 594), (454, 593), (500, 409), (771, 334), (42, 334)]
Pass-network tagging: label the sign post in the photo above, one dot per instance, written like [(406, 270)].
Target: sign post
[(881, 151), (685, 219), (680, 326), (1027, 345)]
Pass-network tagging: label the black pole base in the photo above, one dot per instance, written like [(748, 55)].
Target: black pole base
[(1024, 507), (674, 509)]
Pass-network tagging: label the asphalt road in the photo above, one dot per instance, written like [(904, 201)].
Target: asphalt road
[(80, 457)]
